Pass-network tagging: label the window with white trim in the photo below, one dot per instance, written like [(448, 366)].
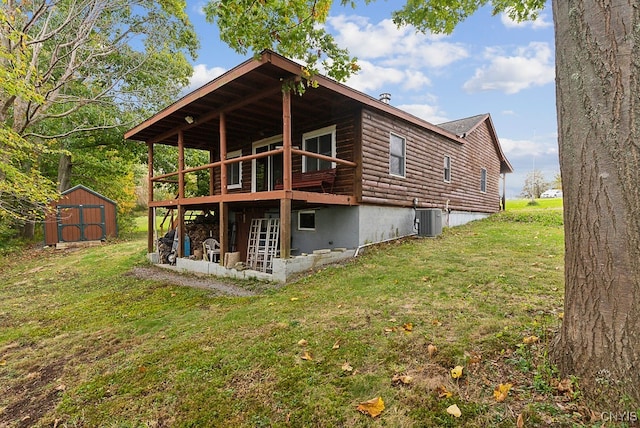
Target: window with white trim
[(234, 171), (307, 220), (397, 155), (323, 142), (447, 169), (483, 180)]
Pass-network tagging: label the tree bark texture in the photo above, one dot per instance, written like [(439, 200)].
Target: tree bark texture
[(64, 172), (597, 87)]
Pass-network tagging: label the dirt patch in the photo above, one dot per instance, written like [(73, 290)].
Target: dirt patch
[(34, 395), (176, 278)]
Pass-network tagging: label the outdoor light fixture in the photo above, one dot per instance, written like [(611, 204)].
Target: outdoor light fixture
[(189, 119)]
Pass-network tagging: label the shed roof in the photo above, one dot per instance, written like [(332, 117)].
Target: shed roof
[(93, 192)]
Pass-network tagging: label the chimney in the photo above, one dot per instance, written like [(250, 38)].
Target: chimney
[(385, 97)]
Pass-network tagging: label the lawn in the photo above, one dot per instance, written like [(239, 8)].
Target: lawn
[(84, 343)]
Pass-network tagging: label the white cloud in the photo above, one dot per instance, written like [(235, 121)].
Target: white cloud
[(529, 148), (394, 46), (539, 23), (373, 77), (198, 7), (202, 75), (430, 113), (531, 65)]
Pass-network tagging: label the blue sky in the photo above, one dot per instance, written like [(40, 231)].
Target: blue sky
[(488, 65)]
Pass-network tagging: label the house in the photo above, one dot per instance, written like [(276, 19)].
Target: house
[(332, 168), (80, 215)]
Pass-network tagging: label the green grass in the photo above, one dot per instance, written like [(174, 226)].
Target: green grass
[(84, 344), (524, 204)]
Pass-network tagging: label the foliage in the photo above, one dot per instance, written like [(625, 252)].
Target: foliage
[(289, 27), (534, 184), (74, 73)]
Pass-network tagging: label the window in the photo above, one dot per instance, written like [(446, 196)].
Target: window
[(447, 169), (483, 180), (234, 171), (397, 155), (322, 142), (267, 171), (306, 220)]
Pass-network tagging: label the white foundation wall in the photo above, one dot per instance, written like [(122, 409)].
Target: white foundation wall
[(458, 218), (377, 224)]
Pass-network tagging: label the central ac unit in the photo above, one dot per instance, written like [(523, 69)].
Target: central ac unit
[(429, 222)]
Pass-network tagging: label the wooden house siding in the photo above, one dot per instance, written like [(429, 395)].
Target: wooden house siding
[(424, 176)]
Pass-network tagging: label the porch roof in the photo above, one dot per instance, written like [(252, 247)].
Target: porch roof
[(250, 96)]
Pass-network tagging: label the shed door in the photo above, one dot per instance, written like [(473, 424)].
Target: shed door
[(81, 223)]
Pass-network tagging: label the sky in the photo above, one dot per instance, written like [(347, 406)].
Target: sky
[(489, 64)]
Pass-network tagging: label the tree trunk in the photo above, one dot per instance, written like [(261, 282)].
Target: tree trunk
[(64, 172), (597, 85)]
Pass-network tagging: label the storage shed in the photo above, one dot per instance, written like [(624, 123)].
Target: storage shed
[(80, 214)]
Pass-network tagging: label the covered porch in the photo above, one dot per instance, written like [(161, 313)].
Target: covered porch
[(269, 151)]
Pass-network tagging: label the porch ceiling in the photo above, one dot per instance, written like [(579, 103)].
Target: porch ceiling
[(252, 103)]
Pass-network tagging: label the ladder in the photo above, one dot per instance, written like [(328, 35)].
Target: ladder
[(264, 244)]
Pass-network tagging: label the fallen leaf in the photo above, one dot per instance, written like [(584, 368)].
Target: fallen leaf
[(3, 362), (501, 392), (346, 367), (302, 342), (454, 410), (293, 299), (443, 392), (372, 407), (336, 345), (456, 372), (520, 421), (561, 315), (408, 326), (530, 339), (474, 357), (404, 379), (564, 386), (389, 329), (392, 320), (431, 350), (142, 369), (307, 356), (61, 388), (436, 322)]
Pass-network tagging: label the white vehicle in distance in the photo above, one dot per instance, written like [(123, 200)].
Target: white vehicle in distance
[(551, 193)]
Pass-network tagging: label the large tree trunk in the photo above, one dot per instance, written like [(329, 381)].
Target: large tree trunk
[(597, 84), (64, 172)]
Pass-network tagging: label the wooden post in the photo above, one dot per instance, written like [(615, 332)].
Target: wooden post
[(223, 217), (223, 154), (151, 220), (285, 228), (180, 228), (224, 227), (285, 202), (212, 174), (286, 140)]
